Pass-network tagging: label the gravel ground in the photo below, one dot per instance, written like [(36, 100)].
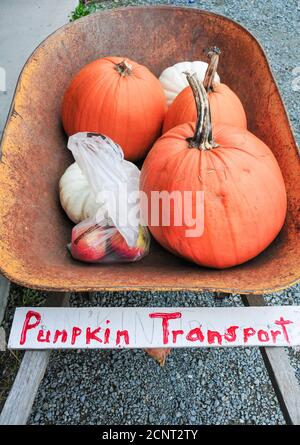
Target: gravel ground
[(200, 386)]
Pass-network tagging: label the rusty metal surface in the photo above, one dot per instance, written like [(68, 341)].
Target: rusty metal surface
[(34, 230)]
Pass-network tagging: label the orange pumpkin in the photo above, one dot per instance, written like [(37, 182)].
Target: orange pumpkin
[(243, 190), (118, 98), (226, 107)]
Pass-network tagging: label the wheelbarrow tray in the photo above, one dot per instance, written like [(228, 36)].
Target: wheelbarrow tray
[(34, 230)]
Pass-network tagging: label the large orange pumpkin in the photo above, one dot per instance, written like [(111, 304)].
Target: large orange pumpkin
[(118, 98), (226, 107), (243, 189)]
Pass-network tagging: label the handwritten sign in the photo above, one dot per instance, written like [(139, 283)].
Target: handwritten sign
[(71, 328)]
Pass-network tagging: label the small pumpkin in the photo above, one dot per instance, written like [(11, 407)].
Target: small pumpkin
[(76, 196), (243, 188), (226, 107), (173, 79), (119, 98)]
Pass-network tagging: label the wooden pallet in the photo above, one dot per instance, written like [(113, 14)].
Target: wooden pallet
[(19, 403)]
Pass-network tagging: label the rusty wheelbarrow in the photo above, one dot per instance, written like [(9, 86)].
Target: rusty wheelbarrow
[(34, 230)]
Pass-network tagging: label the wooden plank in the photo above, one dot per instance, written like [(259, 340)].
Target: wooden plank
[(4, 293), (2, 339), (281, 372), (18, 405)]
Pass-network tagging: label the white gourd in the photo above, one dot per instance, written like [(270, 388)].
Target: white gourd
[(76, 196), (174, 80)]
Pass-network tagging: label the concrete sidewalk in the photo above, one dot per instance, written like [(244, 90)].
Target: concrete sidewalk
[(23, 25)]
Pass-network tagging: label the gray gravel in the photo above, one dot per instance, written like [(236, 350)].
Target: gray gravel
[(209, 386)]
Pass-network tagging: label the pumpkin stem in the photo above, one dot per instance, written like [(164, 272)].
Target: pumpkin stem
[(202, 139), (124, 68), (213, 54), (192, 80)]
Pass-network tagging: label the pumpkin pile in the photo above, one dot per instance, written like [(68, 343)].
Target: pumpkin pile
[(244, 191), (192, 129)]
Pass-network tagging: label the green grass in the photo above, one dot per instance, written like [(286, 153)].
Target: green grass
[(9, 365), (81, 11)]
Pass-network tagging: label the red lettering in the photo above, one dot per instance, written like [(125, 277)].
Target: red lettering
[(165, 322), (212, 335), (230, 334), (91, 335), (263, 335), (75, 333), (176, 333), (281, 322), (106, 336), (63, 334), (41, 337), (248, 332), (274, 335), (27, 325), (122, 334), (195, 335)]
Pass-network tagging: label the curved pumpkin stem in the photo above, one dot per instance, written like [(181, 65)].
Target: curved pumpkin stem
[(202, 139), (213, 54), (195, 141), (124, 68)]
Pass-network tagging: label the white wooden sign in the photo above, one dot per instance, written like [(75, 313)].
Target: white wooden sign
[(72, 328)]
